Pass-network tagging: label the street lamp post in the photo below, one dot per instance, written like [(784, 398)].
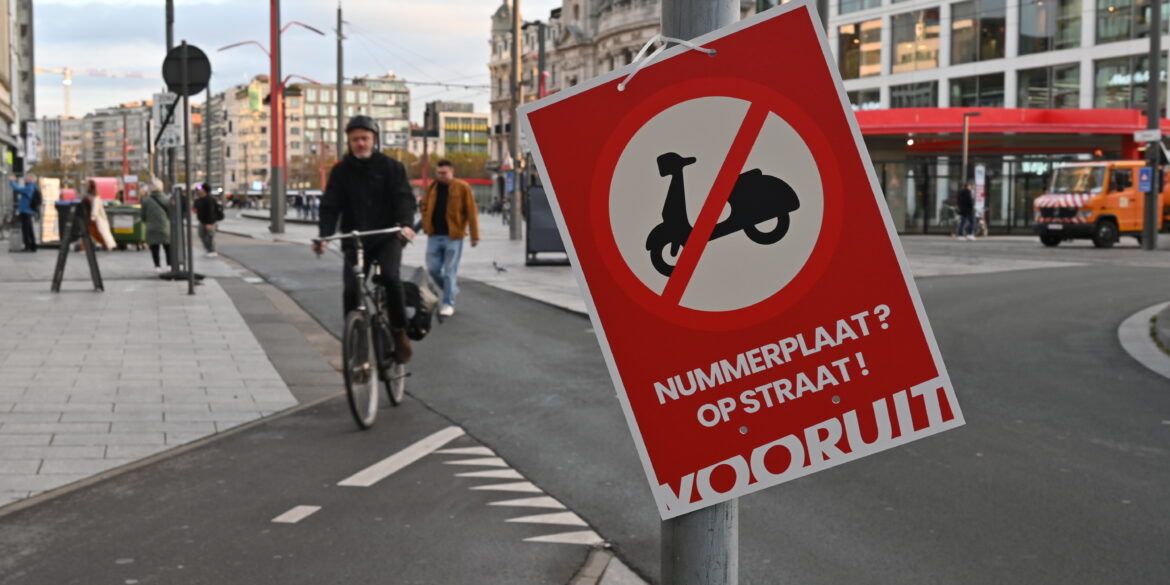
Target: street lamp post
[(276, 136), (966, 142)]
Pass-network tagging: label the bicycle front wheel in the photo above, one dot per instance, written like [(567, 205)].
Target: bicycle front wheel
[(396, 383), (360, 368)]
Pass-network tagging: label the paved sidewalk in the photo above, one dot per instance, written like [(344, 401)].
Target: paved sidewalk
[(90, 381)]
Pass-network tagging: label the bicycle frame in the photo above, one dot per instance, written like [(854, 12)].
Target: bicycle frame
[(366, 296)]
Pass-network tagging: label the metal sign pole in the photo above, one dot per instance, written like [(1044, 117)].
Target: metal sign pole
[(1153, 148), (702, 547), (186, 197)]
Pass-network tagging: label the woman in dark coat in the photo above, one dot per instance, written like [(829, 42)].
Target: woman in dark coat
[(157, 211)]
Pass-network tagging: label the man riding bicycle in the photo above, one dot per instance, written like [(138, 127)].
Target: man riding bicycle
[(368, 190)]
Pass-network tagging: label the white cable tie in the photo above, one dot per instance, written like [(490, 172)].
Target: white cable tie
[(662, 44)]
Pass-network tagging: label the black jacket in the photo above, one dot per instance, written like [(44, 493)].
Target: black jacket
[(366, 195), (205, 210), (966, 202)]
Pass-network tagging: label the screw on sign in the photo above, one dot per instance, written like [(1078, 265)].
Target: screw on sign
[(742, 272)]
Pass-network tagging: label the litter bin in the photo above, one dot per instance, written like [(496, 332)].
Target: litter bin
[(126, 227)]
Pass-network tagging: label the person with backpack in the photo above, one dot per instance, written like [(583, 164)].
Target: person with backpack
[(209, 212)]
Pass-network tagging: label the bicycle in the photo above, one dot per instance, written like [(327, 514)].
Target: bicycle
[(367, 348)]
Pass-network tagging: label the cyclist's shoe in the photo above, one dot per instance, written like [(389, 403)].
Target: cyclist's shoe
[(402, 350)]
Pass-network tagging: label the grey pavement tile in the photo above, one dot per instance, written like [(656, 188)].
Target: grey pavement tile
[(237, 406), (194, 395), (163, 407), (37, 483), (217, 386), (21, 466), (10, 428), (138, 385), (163, 427), (74, 466), (108, 439), (155, 416), (47, 396), (25, 440), (12, 394), (134, 451), (51, 452), (6, 406), (6, 417), (140, 397), (65, 407), (273, 384), (210, 416), (181, 438)]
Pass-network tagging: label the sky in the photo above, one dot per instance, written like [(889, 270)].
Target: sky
[(419, 40)]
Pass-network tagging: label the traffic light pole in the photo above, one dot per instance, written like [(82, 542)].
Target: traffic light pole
[(702, 547)]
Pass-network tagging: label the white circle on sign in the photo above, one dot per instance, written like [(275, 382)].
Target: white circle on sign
[(741, 266)]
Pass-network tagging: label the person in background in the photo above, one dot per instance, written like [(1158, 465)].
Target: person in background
[(449, 211), (156, 212), (208, 212), (966, 213), (27, 208)]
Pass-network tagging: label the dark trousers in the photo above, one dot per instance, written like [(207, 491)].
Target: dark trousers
[(27, 235), (388, 254), (154, 253)]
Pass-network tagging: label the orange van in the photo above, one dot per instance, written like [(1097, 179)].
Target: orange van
[(1098, 201)]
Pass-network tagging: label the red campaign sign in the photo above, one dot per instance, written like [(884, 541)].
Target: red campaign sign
[(748, 289)]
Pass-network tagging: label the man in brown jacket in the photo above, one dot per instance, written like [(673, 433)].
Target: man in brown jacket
[(448, 211)]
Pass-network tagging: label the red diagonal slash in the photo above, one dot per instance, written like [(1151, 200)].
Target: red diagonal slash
[(741, 147)]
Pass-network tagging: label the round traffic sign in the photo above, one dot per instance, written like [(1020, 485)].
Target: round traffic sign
[(198, 70), (716, 203)]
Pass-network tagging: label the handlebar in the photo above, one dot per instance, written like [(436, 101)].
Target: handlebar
[(356, 234)]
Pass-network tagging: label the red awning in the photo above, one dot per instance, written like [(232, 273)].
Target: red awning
[(1001, 120)]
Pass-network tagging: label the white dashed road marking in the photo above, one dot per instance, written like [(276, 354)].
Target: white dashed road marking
[(493, 474), (384, 468), (539, 502), (520, 486), (583, 537), (481, 451), (296, 514), (563, 518), (481, 462)]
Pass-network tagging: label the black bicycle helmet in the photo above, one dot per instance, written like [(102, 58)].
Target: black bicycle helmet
[(361, 121)]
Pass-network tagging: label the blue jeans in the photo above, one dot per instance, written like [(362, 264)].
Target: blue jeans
[(966, 224), (443, 256)]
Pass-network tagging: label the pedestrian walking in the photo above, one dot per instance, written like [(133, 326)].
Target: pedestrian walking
[(156, 212), (966, 213), (28, 208), (209, 213), (448, 213)]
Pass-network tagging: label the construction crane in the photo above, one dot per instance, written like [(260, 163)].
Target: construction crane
[(68, 74)]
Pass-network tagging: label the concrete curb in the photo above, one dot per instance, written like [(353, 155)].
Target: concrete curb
[(1136, 339), (1161, 328)]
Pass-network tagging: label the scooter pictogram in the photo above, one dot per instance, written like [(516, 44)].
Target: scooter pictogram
[(755, 198)]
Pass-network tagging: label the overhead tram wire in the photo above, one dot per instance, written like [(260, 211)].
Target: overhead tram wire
[(378, 40)]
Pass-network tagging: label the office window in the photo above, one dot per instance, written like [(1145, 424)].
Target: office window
[(1049, 87), (915, 40), (984, 91), (363, 98), (1049, 25), (977, 30), (1120, 20), (310, 123), (311, 95), (1122, 82), (914, 95), (847, 6), (860, 49), (865, 99)]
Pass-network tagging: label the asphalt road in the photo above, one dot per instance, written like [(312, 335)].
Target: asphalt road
[(1059, 476)]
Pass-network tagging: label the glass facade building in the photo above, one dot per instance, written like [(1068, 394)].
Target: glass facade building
[(1035, 57)]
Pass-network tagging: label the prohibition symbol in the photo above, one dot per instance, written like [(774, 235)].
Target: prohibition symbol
[(716, 204)]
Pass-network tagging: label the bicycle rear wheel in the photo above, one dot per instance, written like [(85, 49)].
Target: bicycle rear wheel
[(360, 368)]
